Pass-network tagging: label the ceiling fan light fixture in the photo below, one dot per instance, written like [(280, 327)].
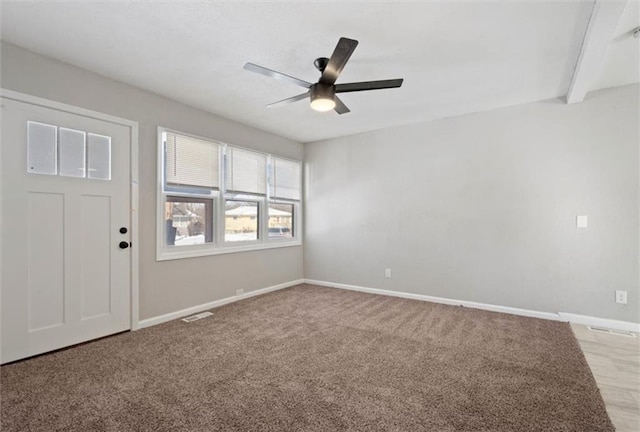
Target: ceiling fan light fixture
[(322, 104), (322, 97)]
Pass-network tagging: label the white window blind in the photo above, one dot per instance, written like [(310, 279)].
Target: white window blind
[(285, 179), (245, 171), (192, 162)]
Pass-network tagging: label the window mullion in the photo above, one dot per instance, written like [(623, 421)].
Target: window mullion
[(263, 222)]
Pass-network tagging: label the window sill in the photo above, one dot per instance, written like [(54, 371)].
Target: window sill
[(201, 251)]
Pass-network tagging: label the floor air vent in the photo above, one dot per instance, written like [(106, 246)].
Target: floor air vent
[(196, 317), (615, 332)]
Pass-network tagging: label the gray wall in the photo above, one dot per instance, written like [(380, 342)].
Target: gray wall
[(480, 207), (170, 285), (483, 207)]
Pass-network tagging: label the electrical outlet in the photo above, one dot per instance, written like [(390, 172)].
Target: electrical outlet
[(621, 297), (239, 292), (387, 273)]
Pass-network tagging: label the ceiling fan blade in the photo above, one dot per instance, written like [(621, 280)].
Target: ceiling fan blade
[(289, 100), (340, 108), (368, 85), (339, 58), (277, 75)]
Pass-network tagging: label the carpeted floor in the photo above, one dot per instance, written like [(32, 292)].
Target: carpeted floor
[(310, 358)]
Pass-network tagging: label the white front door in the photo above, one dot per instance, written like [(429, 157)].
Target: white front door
[(66, 269)]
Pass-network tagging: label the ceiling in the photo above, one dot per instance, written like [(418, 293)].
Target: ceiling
[(455, 57), (621, 63)]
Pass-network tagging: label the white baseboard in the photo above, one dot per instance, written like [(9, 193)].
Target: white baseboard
[(561, 316), (211, 305), (452, 302), (600, 322)]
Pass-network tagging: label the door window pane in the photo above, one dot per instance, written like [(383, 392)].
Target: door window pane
[(280, 220), (41, 148), (241, 221), (99, 149), (72, 153)]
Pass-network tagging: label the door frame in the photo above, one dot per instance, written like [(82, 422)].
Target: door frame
[(133, 183)]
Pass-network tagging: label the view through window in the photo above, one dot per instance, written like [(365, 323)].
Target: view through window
[(241, 221), (280, 220), (189, 221)]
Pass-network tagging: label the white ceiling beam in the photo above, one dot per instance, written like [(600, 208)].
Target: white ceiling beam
[(602, 24)]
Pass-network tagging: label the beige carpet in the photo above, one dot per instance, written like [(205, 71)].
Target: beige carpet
[(309, 358)]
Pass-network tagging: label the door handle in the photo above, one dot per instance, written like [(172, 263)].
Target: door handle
[(123, 245)]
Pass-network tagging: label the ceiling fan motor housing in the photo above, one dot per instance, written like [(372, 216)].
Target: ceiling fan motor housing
[(321, 63), (321, 91)]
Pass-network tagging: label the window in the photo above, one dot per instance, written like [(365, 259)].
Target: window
[(245, 171), (245, 180), (189, 220), (190, 187), (191, 163), (285, 179), (241, 221), (216, 198), (281, 218), (284, 194)]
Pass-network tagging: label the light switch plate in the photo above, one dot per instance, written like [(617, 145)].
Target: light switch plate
[(582, 221)]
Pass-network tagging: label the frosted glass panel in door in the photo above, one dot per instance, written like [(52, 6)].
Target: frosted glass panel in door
[(99, 148), (72, 153), (41, 148)]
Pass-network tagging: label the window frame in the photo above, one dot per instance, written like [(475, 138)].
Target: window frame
[(219, 198)]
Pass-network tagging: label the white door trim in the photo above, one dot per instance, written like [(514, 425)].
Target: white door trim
[(133, 170)]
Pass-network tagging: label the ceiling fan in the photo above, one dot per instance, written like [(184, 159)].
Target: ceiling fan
[(323, 93)]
